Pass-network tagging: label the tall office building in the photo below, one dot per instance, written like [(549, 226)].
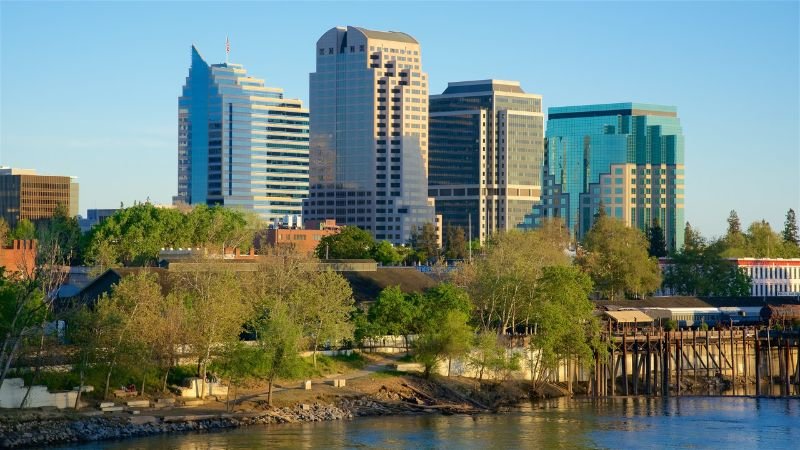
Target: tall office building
[(26, 195), (240, 144), (486, 150), (369, 133), (627, 157)]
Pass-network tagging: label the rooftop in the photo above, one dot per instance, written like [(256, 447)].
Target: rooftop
[(397, 36)]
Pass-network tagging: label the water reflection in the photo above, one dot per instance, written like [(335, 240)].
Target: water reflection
[(622, 423)]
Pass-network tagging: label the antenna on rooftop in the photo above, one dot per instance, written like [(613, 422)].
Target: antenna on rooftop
[(227, 48)]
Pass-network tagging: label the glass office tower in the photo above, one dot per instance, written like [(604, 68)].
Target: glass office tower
[(240, 144), (486, 150), (369, 133), (627, 157)]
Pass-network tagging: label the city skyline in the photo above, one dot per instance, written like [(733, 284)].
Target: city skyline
[(110, 103)]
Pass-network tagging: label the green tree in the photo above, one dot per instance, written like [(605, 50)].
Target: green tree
[(385, 253), (658, 244), (701, 270), (692, 240), (490, 356), (327, 304), (502, 284), (217, 311), (763, 242), (734, 241), (734, 224), (5, 232), (349, 243), (615, 257), (426, 242), (25, 230), (456, 242), (279, 345), (60, 236), (393, 313), (238, 363), (23, 307), (564, 323), (790, 233), (448, 339)]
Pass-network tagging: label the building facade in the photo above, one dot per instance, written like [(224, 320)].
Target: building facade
[(369, 133), (485, 159), (771, 276), (627, 157), (26, 195), (241, 144)]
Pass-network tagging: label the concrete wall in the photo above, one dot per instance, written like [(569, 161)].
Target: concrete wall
[(13, 391)]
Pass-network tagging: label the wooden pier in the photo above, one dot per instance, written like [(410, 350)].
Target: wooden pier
[(734, 361)]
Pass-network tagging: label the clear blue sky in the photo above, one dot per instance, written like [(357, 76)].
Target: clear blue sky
[(90, 89)]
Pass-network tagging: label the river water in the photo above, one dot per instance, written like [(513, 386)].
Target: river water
[(624, 423)]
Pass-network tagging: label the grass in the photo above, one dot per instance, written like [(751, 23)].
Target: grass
[(327, 365), (388, 374)]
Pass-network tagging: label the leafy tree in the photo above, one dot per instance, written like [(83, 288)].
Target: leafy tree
[(700, 269), (393, 313), (502, 284), (490, 356), (790, 233), (448, 339), (426, 242), (5, 231), (327, 304), (23, 307), (60, 236), (237, 363), (385, 253), (217, 311), (692, 240), (615, 257), (25, 230), (734, 225), (658, 244), (600, 213), (278, 346), (565, 325), (349, 243), (456, 242)]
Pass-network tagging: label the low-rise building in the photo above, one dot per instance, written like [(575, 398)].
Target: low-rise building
[(19, 257), (301, 240)]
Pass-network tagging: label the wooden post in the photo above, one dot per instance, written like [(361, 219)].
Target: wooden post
[(708, 354), (648, 386), (758, 365), (745, 359), (679, 363), (667, 360), (624, 364), (786, 366), (635, 363), (734, 361)]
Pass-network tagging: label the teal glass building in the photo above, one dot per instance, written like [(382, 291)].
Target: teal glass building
[(627, 157), (241, 144)]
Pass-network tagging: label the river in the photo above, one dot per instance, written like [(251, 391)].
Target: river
[(622, 423)]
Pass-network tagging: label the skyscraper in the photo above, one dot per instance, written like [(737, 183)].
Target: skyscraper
[(627, 157), (240, 144), (486, 150), (24, 194), (369, 133)]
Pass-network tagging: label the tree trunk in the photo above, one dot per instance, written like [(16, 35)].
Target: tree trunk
[(164, 386), (449, 364), (10, 357), (80, 386), (269, 393), (144, 377), (108, 379)]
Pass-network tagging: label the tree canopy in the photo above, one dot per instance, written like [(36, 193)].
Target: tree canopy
[(615, 257)]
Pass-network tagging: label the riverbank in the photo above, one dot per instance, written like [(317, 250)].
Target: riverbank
[(383, 394)]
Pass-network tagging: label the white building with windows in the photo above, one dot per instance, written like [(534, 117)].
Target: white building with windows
[(772, 276)]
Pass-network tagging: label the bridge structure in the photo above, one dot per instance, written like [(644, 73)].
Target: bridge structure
[(737, 360)]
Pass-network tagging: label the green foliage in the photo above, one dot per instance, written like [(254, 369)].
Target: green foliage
[(385, 253), (565, 325), (134, 236), (502, 284), (670, 325), (5, 232), (455, 242), (655, 237), (278, 346), (703, 326), (615, 257), (349, 243), (701, 270), (393, 313), (449, 338), (790, 233), (425, 241), (692, 240), (491, 357), (24, 230), (60, 238)]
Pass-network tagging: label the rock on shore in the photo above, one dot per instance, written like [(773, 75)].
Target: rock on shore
[(63, 430)]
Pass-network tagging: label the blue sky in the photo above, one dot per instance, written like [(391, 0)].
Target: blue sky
[(90, 89)]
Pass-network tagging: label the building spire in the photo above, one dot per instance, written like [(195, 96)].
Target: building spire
[(227, 48)]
